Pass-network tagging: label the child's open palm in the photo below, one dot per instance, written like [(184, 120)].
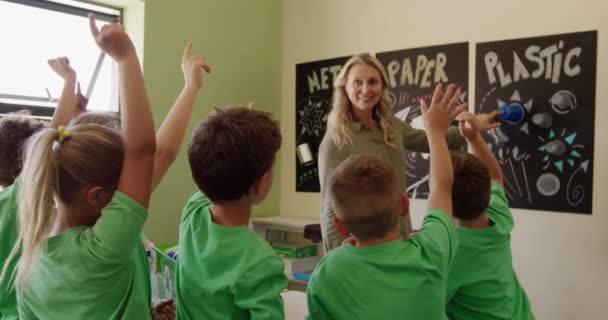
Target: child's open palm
[(443, 108)]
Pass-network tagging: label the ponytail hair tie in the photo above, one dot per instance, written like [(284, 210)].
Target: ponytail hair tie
[(64, 134)]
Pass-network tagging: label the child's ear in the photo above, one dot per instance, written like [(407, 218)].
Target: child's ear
[(405, 205), (262, 185), (97, 197), (341, 227), (265, 182)]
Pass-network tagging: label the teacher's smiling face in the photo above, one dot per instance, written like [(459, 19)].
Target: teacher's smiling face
[(364, 87)]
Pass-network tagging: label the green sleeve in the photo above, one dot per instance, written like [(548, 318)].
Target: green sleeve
[(415, 139), (451, 288), (25, 313), (438, 239), (259, 290), (316, 308), (498, 209), (117, 232), (197, 200)]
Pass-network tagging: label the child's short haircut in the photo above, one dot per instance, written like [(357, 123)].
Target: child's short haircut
[(14, 132), (106, 119), (230, 149), (364, 192), (471, 189)]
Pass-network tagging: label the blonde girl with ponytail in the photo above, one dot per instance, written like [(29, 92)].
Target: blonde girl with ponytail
[(82, 206)]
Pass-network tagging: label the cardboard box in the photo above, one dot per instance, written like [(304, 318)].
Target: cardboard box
[(295, 250)]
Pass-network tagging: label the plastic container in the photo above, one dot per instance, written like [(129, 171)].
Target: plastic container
[(166, 267), (513, 113)]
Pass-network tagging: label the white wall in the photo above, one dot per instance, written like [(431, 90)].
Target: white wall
[(561, 259)]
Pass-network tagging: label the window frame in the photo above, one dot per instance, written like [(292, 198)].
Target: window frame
[(43, 110)]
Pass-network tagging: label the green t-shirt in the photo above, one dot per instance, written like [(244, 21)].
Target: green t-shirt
[(225, 272), (400, 279), (8, 232), (98, 272), (482, 283)]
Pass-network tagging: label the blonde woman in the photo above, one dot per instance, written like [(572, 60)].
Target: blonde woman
[(361, 121)]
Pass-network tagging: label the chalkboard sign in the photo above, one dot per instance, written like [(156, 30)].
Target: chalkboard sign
[(314, 89), (413, 75), (546, 88)]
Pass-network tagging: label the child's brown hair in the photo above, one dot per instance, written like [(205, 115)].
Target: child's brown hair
[(471, 189), (364, 192), (230, 149)]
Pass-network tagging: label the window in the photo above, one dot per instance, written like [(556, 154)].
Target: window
[(36, 30)]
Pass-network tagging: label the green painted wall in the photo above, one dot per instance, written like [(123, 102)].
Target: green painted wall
[(241, 40)]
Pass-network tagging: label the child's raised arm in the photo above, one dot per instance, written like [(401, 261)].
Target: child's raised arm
[(170, 135), (436, 122), (469, 128), (67, 106), (137, 122)]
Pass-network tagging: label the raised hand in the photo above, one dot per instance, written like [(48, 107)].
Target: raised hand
[(443, 109), (67, 105), (455, 105), (436, 120), (191, 67), (112, 39), (468, 124), (488, 120), (82, 101), (62, 67)]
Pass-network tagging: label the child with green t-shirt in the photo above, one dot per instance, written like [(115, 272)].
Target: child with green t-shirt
[(82, 198), (225, 270), (14, 132), (482, 283), (15, 129), (169, 139), (383, 276)]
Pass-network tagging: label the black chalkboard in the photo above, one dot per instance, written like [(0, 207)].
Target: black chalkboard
[(314, 89), (546, 148), (413, 75)]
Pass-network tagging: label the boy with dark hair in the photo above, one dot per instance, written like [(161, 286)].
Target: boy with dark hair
[(482, 283), (225, 270), (383, 276)]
